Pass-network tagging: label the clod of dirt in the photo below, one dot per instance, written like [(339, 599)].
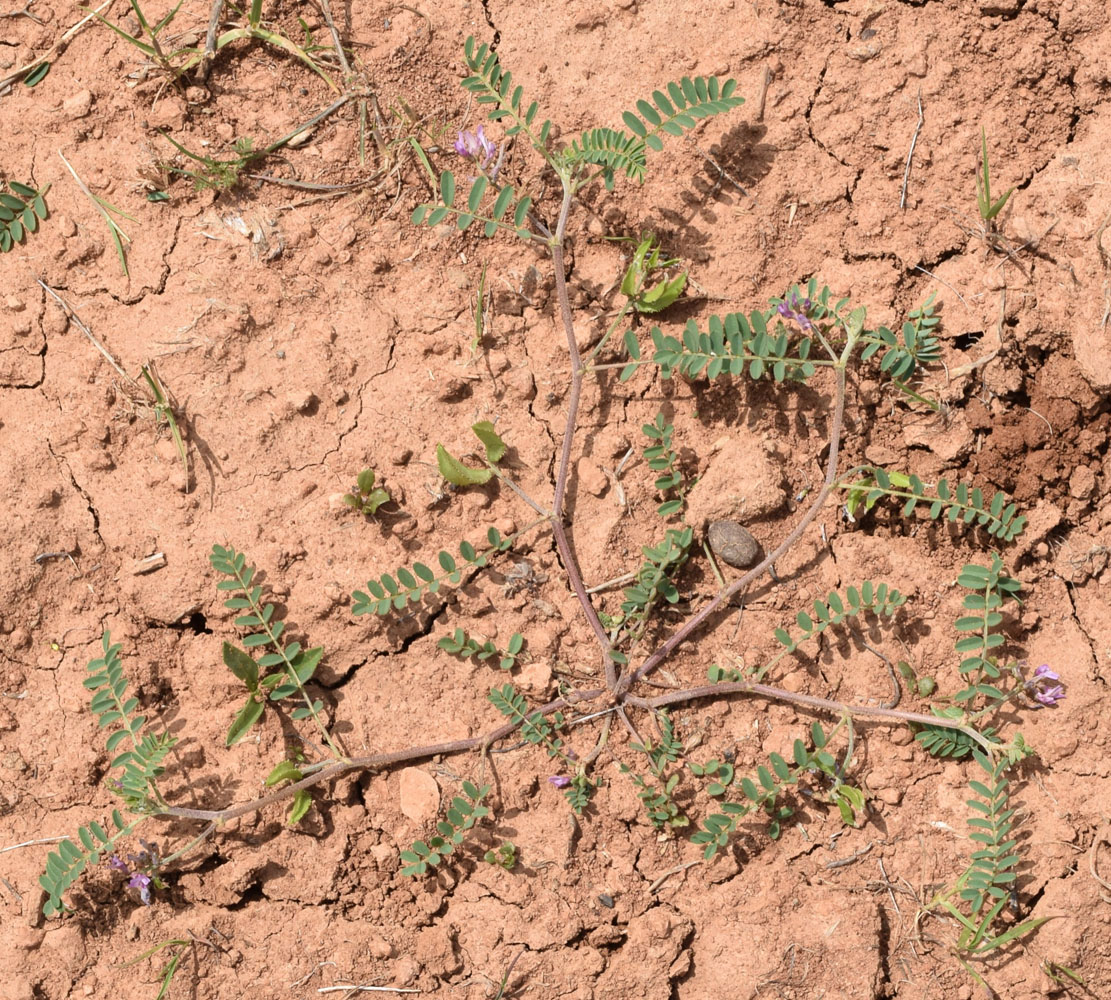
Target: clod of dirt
[(948, 436), (733, 544), (419, 795), (743, 481)]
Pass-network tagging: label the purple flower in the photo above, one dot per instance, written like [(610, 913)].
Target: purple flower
[(795, 309), (142, 883), (147, 857), (1040, 686), (1050, 695), (559, 781), (117, 865), (475, 146)]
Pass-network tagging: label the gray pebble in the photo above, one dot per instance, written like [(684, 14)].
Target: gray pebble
[(733, 544)]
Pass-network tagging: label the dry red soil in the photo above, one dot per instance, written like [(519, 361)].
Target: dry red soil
[(308, 334)]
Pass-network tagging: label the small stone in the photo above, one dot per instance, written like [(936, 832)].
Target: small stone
[(26, 938), (79, 105), (453, 389), (14, 304), (379, 947), (742, 480), (319, 257), (386, 858), (1082, 482), (419, 795), (917, 66), (535, 677), (592, 478), (733, 544), (405, 971), (66, 226), (302, 400)]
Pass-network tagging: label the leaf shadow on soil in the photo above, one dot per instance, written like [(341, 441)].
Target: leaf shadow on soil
[(741, 159)]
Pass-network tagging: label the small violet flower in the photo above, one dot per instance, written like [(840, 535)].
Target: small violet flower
[(794, 308), (117, 865), (142, 883), (559, 781), (1045, 692), (1050, 695), (475, 146)]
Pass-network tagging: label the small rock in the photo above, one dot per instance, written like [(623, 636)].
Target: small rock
[(14, 304), (592, 478), (948, 438), (917, 66), (1082, 482), (79, 105), (379, 947), (535, 677), (733, 544), (302, 400), (405, 971), (742, 482), (419, 795), (66, 226), (385, 858), (453, 389), (26, 938)]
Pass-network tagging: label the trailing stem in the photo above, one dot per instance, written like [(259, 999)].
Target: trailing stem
[(563, 543)]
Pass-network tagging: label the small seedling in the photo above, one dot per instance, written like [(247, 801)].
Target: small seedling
[(988, 209), (479, 311), (462, 645), (458, 474), (163, 410), (21, 210), (662, 459), (461, 817), (106, 210), (179, 947), (171, 63), (658, 799), (297, 665), (647, 260), (177, 62), (366, 498), (504, 857)]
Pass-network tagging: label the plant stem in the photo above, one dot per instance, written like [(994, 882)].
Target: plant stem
[(566, 554), (685, 632), (806, 700), (373, 762)]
